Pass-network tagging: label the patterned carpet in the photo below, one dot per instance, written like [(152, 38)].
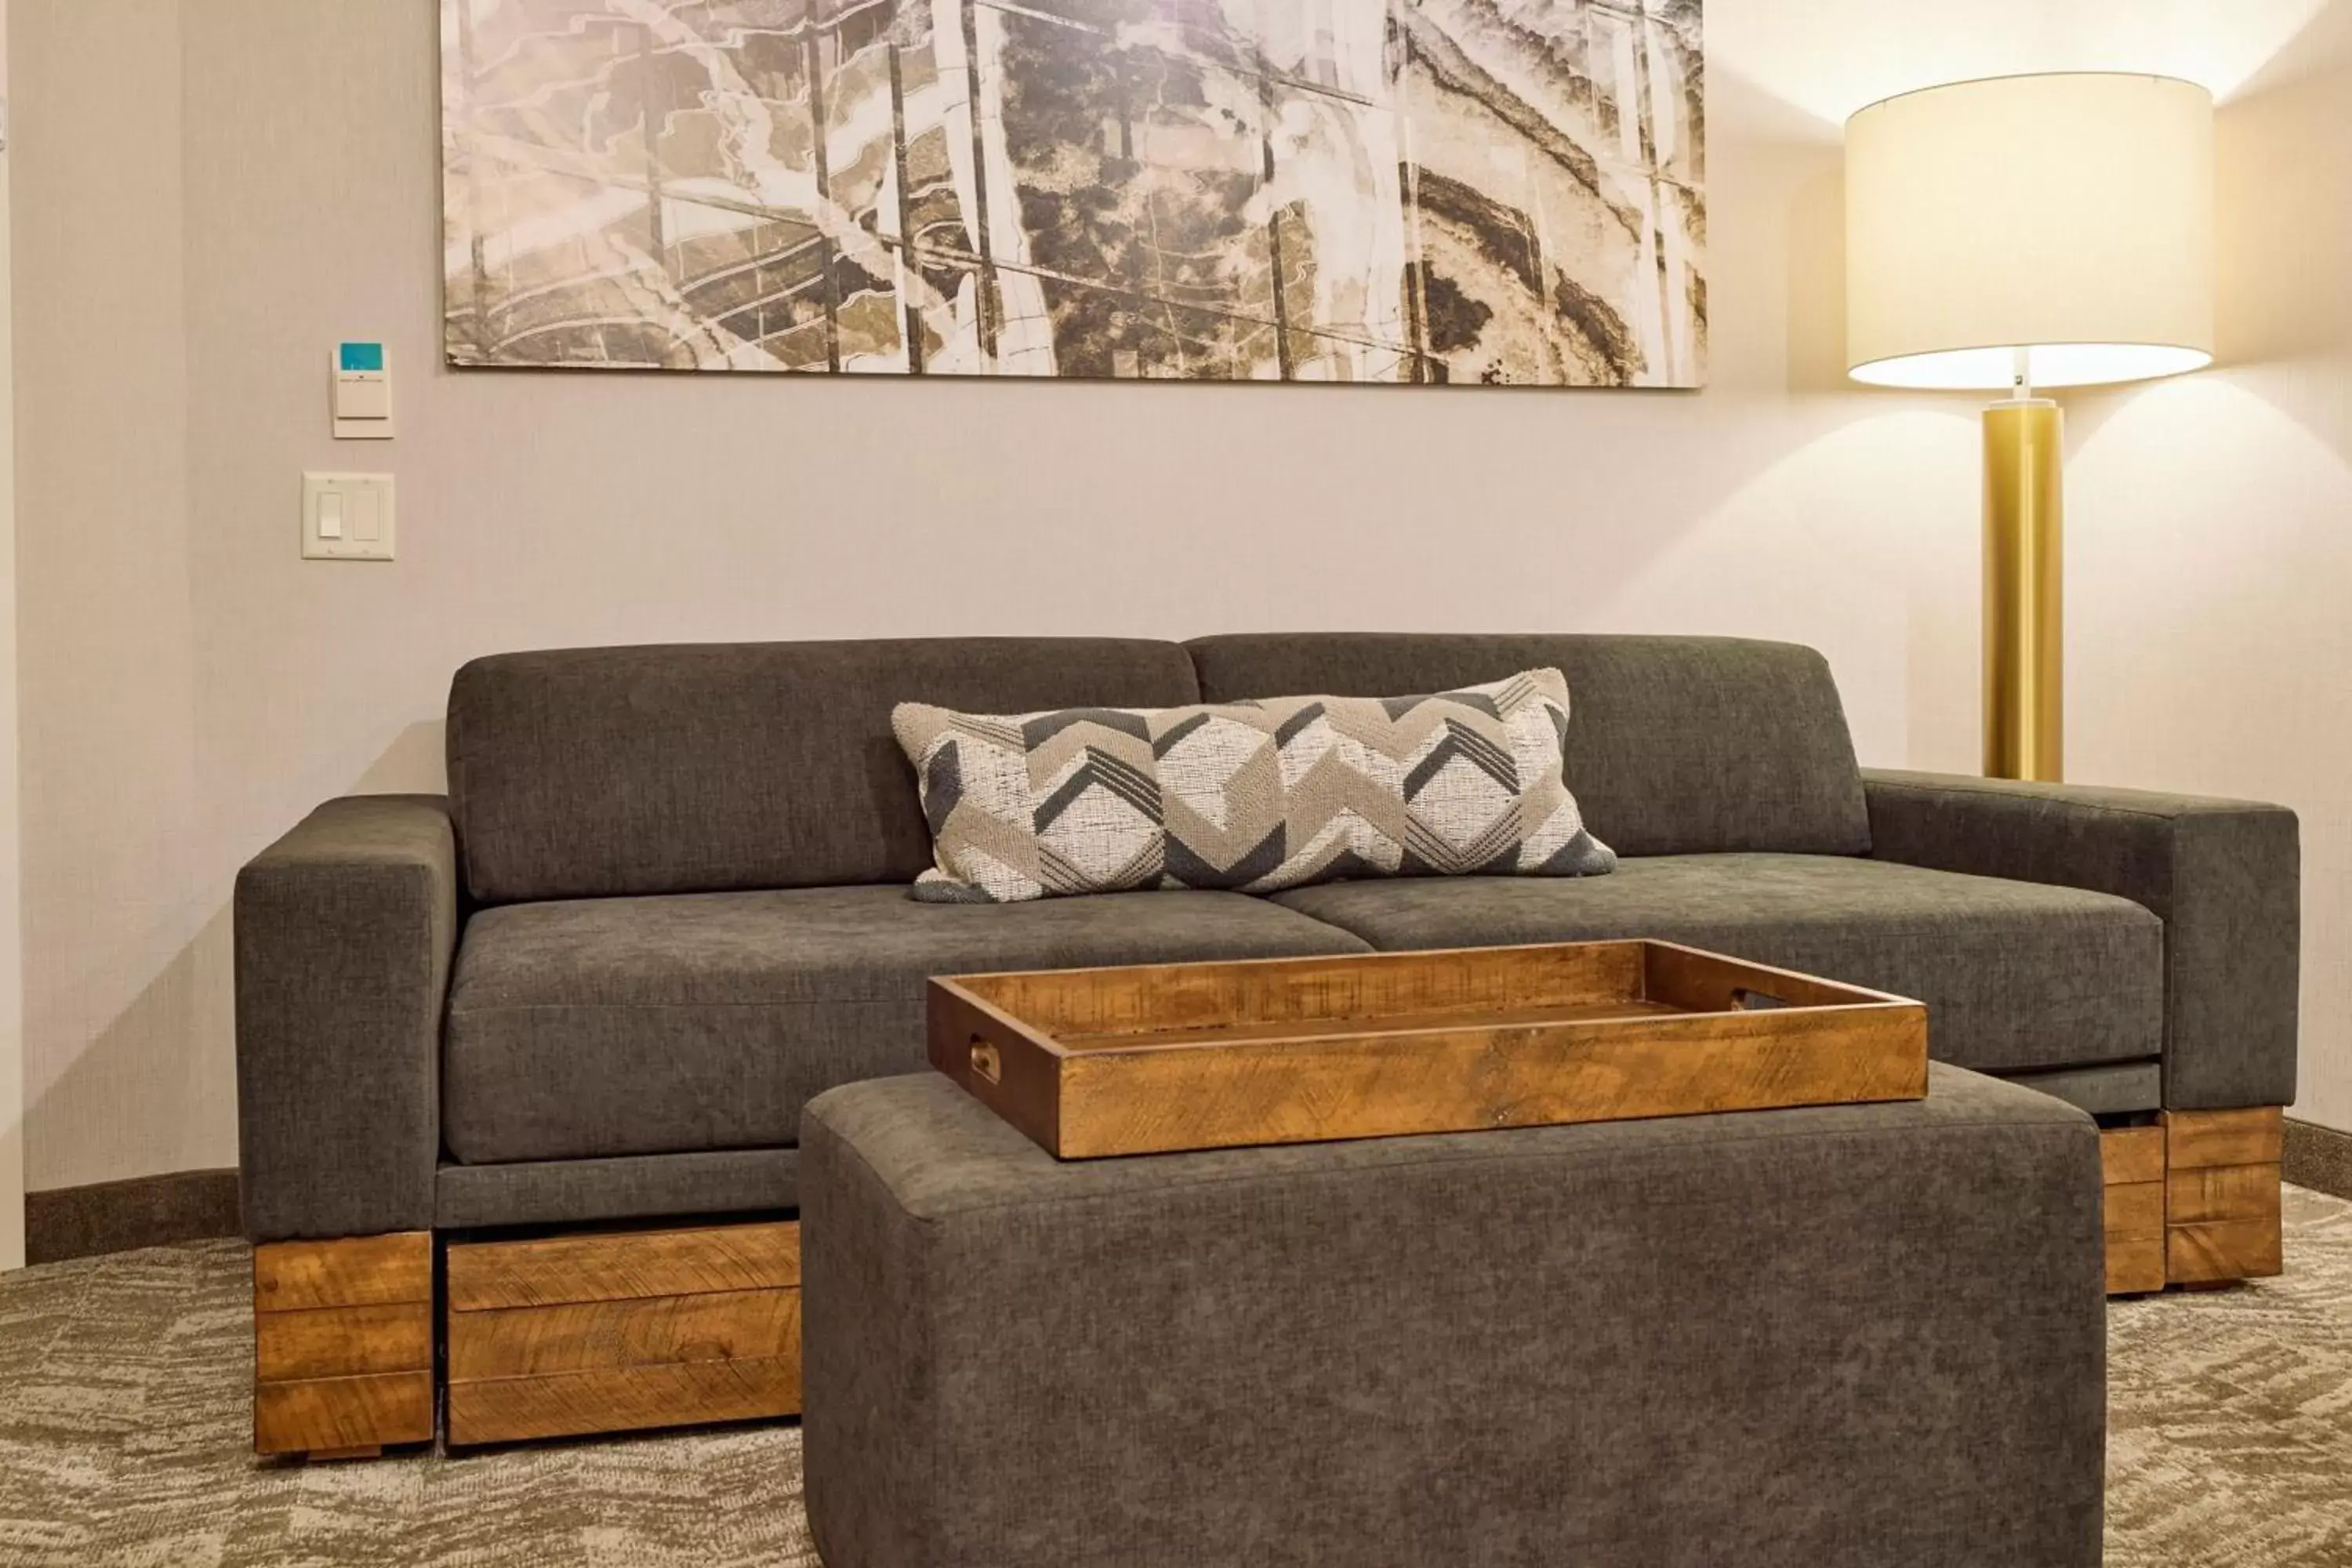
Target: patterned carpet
[(124, 1440)]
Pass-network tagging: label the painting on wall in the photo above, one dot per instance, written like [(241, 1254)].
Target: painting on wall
[(1497, 192)]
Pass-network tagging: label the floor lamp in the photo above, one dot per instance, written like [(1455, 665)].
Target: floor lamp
[(2029, 233)]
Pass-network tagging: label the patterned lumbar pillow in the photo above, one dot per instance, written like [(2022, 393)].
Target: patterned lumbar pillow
[(1256, 796)]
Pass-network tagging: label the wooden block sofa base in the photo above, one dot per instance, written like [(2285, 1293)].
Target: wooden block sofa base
[(632, 1329), (2221, 1218), (2131, 1162), (608, 1331), (2193, 1200), (343, 1345), (548, 1337)]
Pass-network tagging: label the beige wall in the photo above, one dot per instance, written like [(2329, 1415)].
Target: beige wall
[(126, 1062), (2210, 550), (12, 998), (219, 192)]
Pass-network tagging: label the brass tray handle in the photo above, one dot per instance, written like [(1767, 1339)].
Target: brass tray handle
[(985, 1061)]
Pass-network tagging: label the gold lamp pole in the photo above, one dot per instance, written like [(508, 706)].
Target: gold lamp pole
[(2020, 230), (2025, 587)]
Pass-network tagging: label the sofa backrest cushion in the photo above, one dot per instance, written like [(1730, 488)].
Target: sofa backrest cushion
[(585, 773), (1675, 746)]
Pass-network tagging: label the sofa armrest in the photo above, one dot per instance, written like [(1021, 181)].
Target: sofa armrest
[(346, 929), (2223, 876)]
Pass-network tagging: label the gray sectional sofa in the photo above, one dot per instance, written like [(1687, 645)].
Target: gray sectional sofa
[(663, 905)]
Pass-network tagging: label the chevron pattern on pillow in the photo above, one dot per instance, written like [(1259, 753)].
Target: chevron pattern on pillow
[(1252, 797)]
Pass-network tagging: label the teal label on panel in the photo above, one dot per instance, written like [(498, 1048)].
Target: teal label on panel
[(362, 356)]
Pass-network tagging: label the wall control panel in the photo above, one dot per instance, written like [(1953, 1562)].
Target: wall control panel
[(347, 517), (361, 396)]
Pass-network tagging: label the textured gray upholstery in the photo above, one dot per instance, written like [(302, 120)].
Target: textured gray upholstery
[(1675, 746), (2223, 875), (2014, 974), (559, 1192), (590, 1041), (344, 928), (1843, 1337), (2111, 1089), (583, 772), (706, 1021)]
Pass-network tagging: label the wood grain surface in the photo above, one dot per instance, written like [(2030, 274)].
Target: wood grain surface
[(2223, 1219), (619, 1265), (350, 1271), (342, 1344), (1148, 1059), (1394, 1022), (2136, 1265), (587, 1336), (2223, 1192), (1160, 998), (339, 1342), (610, 1331), (1025, 1088), (2222, 1250), (509, 1409), (2131, 1154), (2135, 1208), (1313, 1090), (1697, 981), (326, 1414), (2195, 1138), (2131, 1166)]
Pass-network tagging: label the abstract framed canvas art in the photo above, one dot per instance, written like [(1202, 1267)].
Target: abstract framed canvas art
[(1498, 192)]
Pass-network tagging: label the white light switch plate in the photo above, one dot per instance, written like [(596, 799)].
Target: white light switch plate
[(359, 522)]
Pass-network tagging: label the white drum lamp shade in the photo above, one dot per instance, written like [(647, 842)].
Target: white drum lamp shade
[(2067, 215)]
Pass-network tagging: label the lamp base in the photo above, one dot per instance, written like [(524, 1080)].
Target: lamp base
[(2024, 606)]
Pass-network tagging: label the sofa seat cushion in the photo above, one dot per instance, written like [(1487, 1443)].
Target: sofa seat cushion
[(611, 1026), (2016, 976)]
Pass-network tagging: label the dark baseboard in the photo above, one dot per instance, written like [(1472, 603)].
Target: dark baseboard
[(2318, 1157), (115, 1217)]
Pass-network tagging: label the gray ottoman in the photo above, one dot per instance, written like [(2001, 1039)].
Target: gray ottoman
[(1868, 1335)]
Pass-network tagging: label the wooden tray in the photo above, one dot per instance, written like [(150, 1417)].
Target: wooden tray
[(1155, 1057)]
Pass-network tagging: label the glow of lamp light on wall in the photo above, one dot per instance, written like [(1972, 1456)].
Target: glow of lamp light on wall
[(1830, 57)]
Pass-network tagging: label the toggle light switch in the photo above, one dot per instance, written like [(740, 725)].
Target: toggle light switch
[(347, 517)]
